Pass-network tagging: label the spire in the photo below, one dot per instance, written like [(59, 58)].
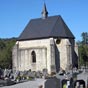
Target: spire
[(44, 12)]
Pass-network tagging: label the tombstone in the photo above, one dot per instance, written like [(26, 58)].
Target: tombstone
[(68, 84), (31, 75), (25, 75), (71, 82), (77, 85), (25, 72), (83, 76), (9, 72), (21, 73), (39, 74), (5, 72), (1, 73), (16, 74), (28, 73), (11, 76), (45, 73), (52, 83), (81, 86), (74, 69)]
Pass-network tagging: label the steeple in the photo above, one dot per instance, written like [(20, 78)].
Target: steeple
[(44, 12)]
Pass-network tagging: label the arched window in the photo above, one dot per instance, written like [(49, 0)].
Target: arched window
[(33, 55)]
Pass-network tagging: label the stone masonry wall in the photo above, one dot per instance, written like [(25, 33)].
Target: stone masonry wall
[(43, 58), (45, 54)]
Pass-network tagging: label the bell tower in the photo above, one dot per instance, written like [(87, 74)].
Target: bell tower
[(44, 12)]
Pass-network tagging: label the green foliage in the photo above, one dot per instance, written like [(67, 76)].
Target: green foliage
[(6, 52), (2, 44), (83, 49), (84, 37), (83, 53)]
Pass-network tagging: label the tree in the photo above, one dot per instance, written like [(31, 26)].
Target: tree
[(83, 49), (84, 37), (2, 44), (6, 52)]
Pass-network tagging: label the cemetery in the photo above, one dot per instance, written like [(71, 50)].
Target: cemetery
[(76, 78)]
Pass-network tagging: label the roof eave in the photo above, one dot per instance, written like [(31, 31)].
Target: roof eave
[(45, 38)]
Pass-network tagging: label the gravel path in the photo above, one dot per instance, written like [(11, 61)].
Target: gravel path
[(29, 84)]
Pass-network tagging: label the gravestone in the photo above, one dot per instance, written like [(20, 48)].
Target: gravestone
[(29, 73), (5, 72), (1, 73), (33, 74), (11, 76), (45, 73), (21, 73), (25, 72), (9, 72), (52, 83), (77, 85), (68, 84), (81, 86), (39, 74), (16, 74), (83, 76)]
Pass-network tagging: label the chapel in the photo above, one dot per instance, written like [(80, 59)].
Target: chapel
[(45, 43)]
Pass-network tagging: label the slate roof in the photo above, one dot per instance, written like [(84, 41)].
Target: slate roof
[(52, 26)]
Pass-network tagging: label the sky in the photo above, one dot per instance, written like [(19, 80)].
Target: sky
[(15, 15)]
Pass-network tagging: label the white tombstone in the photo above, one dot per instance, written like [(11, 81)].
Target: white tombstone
[(81, 86), (77, 85), (68, 84)]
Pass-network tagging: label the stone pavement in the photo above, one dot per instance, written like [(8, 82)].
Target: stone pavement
[(29, 84)]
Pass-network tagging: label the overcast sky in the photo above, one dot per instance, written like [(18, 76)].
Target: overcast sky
[(15, 14)]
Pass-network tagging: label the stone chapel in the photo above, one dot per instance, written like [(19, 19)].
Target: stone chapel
[(45, 43)]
